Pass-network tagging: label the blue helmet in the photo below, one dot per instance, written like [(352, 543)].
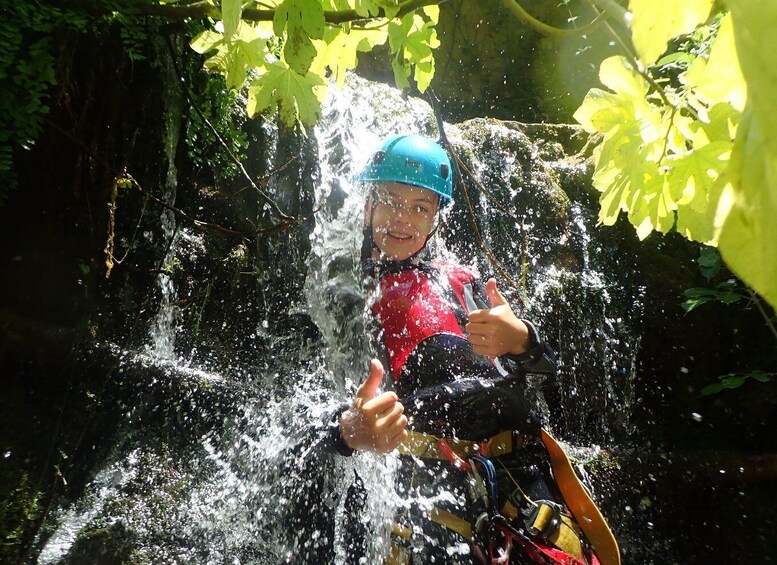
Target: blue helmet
[(413, 160)]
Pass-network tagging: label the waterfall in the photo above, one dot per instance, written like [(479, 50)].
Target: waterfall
[(223, 468), (162, 334)]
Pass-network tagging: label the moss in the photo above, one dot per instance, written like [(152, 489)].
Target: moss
[(110, 545), (20, 508)]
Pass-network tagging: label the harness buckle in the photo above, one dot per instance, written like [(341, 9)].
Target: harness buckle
[(544, 519)]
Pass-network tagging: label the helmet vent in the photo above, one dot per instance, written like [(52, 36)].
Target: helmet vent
[(444, 170), (377, 159)]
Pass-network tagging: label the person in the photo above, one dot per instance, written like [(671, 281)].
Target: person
[(478, 471)]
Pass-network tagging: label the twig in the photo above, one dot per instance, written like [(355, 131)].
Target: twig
[(514, 7), (178, 212), (763, 312), (238, 163)]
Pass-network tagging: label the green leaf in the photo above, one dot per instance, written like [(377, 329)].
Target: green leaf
[(762, 377), (302, 20), (367, 8), (711, 389), (692, 304), (231, 11), (709, 262), (748, 204), (412, 40), (294, 94), (338, 50), (718, 78), (732, 381), (691, 178), (236, 56), (656, 22)]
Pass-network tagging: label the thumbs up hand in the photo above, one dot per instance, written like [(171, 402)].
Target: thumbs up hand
[(374, 423), (497, 330)]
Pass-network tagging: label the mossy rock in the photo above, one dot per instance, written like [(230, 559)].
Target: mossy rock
[(110, 545)]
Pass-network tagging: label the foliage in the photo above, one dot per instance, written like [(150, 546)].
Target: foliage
[(220, 107), (726, 292), (26, 73), (736, 380), (30, 34), (284, 63), (20, 505), (696, 154)]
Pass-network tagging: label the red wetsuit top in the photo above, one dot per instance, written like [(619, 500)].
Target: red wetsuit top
[(415, 304)]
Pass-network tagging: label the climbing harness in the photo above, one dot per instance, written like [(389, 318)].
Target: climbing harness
[(574, 533)]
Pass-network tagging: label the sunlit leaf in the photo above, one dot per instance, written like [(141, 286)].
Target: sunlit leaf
[(656, 22), (748, 207), (412, 40), (234, 57), (293, 93), (719, 78), (230, 16), (338, 50), (302, 20)]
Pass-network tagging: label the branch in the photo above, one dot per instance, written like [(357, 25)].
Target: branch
[(517, 10), (202, 10)]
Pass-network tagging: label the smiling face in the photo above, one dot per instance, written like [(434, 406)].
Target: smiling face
[(402, 218)]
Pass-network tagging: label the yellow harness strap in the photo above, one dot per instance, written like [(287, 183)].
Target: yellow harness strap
[(419, 444), (580, 504)]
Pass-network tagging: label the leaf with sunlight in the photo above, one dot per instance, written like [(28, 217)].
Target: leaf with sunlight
[(748, 207), (236, 57), (412, 40), (303, 20), (230, 16), (294, 94), (338, 50), (656, 22)]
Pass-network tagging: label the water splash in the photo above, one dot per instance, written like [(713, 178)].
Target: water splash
[(223, 477)]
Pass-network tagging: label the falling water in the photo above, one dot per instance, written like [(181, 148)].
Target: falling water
[(162, 334), (225, 470)]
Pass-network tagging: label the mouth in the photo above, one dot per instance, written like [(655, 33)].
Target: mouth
[(399, 236)]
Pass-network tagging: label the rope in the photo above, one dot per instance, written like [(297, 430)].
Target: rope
[(458, 167)]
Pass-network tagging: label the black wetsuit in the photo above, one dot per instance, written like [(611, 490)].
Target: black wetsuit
[(450, 391)]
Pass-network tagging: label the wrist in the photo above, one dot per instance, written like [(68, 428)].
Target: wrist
[(523, 338)]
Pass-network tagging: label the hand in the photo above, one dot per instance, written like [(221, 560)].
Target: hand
[(374, 423), (497, 330)]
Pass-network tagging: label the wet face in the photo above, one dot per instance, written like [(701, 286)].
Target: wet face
[(402, 219)]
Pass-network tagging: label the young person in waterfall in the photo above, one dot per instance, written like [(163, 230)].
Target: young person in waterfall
[(478, 471)]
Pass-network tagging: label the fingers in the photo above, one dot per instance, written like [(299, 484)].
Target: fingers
[(394, 442), (380, 404), (369, 387)]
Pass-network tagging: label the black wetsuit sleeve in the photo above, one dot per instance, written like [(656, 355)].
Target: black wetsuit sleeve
[(327, 434), (539, 358)]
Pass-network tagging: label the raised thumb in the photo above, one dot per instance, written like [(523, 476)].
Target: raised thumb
[(494, 296), (369, 387)]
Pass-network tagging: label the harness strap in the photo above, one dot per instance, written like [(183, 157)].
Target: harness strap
[(427, 446), (566, 536), (582, 507), (580, 504)]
